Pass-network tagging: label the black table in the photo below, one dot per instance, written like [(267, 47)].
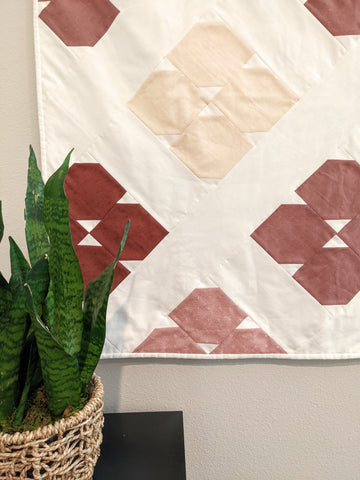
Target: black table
[(142, 446)]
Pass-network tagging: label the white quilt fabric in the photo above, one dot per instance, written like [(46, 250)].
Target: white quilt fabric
[(228, 131)]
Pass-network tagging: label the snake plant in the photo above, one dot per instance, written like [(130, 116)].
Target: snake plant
[(51, 331)]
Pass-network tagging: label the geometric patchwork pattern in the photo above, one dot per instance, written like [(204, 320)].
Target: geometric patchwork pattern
[(94, 259), (350, 234), (219, 138), (93, 195), (145, 233), (172, 111), (79, 23), (210, 100), (208, 318), (210, 54), (332, 275), (168, 340), (298, 234), (207, 315), (333, 190), (92, 191), (340, 17), (293, 233), (247, 341), (171, 98)]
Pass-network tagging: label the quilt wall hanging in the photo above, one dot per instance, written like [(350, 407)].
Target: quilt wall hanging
[(228, 131)]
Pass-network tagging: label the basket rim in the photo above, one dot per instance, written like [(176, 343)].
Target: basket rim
[(59, 426)]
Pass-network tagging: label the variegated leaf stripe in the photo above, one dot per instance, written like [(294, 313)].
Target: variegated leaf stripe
[(33, 376), (14, 325), (36, 235), (13, 330), (66, 277), (5, 296), (39, 278), (60, 370), (48, 307), (95, 305), (19, 269)]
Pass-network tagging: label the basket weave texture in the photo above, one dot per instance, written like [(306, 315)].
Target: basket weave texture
[(67, 449)]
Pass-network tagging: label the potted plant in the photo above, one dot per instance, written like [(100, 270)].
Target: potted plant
[(51, 338)]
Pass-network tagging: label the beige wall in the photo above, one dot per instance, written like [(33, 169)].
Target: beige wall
[(244, 420)]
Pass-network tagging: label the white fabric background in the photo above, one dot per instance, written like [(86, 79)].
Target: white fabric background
[(300, 51)]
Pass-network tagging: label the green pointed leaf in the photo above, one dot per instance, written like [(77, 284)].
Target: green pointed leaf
[(13, 331), (48, 307), (59, 369), (95, 305), (19, 267), (14, 325), (33, 376), (65, 273), (1, 223), (36, 236), (39, 278), (5, 296)]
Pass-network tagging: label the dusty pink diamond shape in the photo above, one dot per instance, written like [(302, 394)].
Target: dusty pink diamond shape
[(207, 315)]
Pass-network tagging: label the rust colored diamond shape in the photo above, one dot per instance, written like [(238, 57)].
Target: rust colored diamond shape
[(332, 276), (144, 235), (333, 190), (93, 195), (293, 233), (340, 17), (79, 23), (91, 190)]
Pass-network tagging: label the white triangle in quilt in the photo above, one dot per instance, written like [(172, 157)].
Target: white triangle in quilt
[(337, 225), (335, 242), (131, 265), (247, 323), (165, 64), (89, 224), (296, 199), (255, 62), (127, 198), (210, 111), (209, 92), (168, 140), (89, 241), (291, 268), (42, 5), (207, 347)]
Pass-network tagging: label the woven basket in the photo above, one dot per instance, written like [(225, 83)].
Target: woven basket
[(68, 449)]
